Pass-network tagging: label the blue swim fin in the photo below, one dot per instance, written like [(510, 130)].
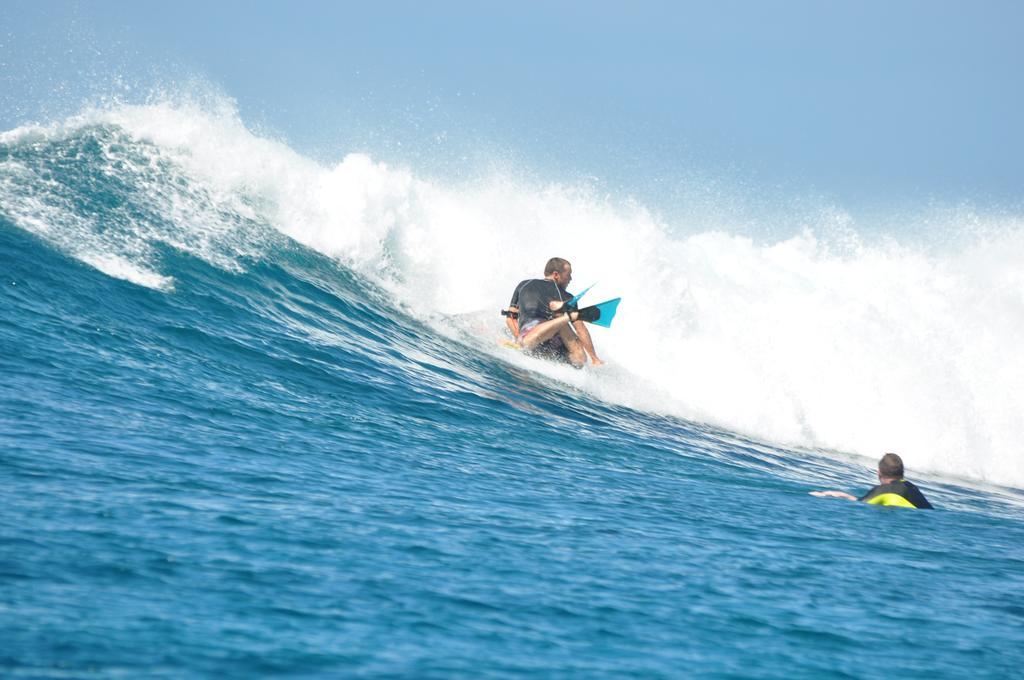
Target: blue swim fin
[(576, 298), (602, 313)]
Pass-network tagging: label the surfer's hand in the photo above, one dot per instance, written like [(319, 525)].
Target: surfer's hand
[(561, 307)]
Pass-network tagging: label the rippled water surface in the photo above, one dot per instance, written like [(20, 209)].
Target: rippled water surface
[(224, 453)]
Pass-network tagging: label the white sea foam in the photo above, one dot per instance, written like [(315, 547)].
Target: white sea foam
[(121, 268), (821, 339)]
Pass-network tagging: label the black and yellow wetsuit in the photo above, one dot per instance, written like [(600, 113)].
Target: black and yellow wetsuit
[(902, 494)]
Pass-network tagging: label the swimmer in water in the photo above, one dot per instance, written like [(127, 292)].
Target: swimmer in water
[(892, 489)]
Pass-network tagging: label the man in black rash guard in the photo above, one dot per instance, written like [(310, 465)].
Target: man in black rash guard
[(536, 318), (892, 489)]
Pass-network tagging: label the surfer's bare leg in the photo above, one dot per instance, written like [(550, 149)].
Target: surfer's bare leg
[(544, 331), (576, 356), (588, 344), (558, 326)]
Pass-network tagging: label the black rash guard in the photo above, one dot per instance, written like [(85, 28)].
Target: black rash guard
[(902, 493), (533, 297)]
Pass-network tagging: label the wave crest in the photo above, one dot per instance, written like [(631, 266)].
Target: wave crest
[(828, 338)]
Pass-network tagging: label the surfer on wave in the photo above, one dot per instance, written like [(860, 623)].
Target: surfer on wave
[(542, 322)]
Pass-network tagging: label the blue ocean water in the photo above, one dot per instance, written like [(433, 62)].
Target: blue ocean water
[(238, 441)]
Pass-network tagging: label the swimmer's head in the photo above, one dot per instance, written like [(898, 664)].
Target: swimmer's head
[(890, 467)]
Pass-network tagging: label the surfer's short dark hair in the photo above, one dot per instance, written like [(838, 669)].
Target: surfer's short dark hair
[(891, 466), (555, 264)]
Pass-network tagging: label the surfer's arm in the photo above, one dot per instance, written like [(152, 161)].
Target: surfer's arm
[(512, 321), (834, 494)]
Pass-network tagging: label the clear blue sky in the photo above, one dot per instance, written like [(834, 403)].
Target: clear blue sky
[(876, 101)]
